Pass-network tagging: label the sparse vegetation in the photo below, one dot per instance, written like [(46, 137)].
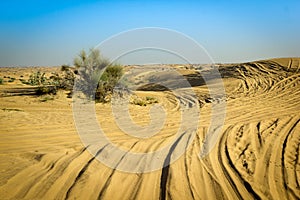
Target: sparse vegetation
[(151, 100), (53, 83), (11, 80), (46, 98), (45, 85), (144, 101), (38, 78), (89, 68), (1, 81)]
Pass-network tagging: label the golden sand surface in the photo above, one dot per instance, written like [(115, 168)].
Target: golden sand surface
[(256, 155)]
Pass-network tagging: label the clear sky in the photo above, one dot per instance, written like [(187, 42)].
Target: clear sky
[(52, 32)]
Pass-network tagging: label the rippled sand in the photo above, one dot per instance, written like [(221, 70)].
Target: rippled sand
[(256, 155)]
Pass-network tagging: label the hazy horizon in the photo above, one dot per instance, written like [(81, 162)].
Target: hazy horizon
[(51, 33)]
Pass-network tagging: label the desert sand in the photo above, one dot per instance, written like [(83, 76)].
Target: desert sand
[(256, 155)]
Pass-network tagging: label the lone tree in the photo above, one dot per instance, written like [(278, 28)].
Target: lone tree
[(90, 66)]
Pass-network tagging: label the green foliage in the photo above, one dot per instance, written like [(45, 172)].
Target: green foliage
[(1, 81), (64, 81), (139, 102), (53, 83), (92, 61), (37, 78), (112, 74), (107, 82), (45, 85), (144, 101), (151, 100), (90, 66)]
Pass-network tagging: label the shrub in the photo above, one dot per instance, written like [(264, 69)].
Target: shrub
[(1, 81), (45, 85), (65, 81), (11, 80), (144, 101), (139, 102), (37, 78), (89, 69), (46, 90), (52, 84), (107, 82)]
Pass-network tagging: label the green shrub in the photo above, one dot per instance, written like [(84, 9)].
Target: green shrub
[(89, 69), (1, 81), (139, 102), (53, 83), (37, 78), (107, 82), (64, 81), (45, 85)]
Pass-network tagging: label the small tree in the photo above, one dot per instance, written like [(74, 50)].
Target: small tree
[(90, 66)]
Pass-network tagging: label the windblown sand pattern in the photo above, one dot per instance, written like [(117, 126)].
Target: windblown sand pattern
[(256, 155)]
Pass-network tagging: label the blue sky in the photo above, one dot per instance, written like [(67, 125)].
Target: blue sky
[(48, 33)]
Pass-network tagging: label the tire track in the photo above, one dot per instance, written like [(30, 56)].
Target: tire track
[(257, 156), (103, 190), (165, 170), (37, 178), (80, 173), (246, 183), (283, 160), (227, 176)]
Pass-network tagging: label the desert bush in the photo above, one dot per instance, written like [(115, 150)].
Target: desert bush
[(37, 78), (139, 102), (53, 83), (46, 89), (107, 82), (11, 80), (151, 100), (45, 85), (1, 81), (65, 80), (144, 101), (89, 69)]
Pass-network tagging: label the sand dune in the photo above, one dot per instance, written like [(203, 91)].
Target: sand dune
[(256, 155)]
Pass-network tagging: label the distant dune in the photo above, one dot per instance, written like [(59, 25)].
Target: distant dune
[(255, 157)]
